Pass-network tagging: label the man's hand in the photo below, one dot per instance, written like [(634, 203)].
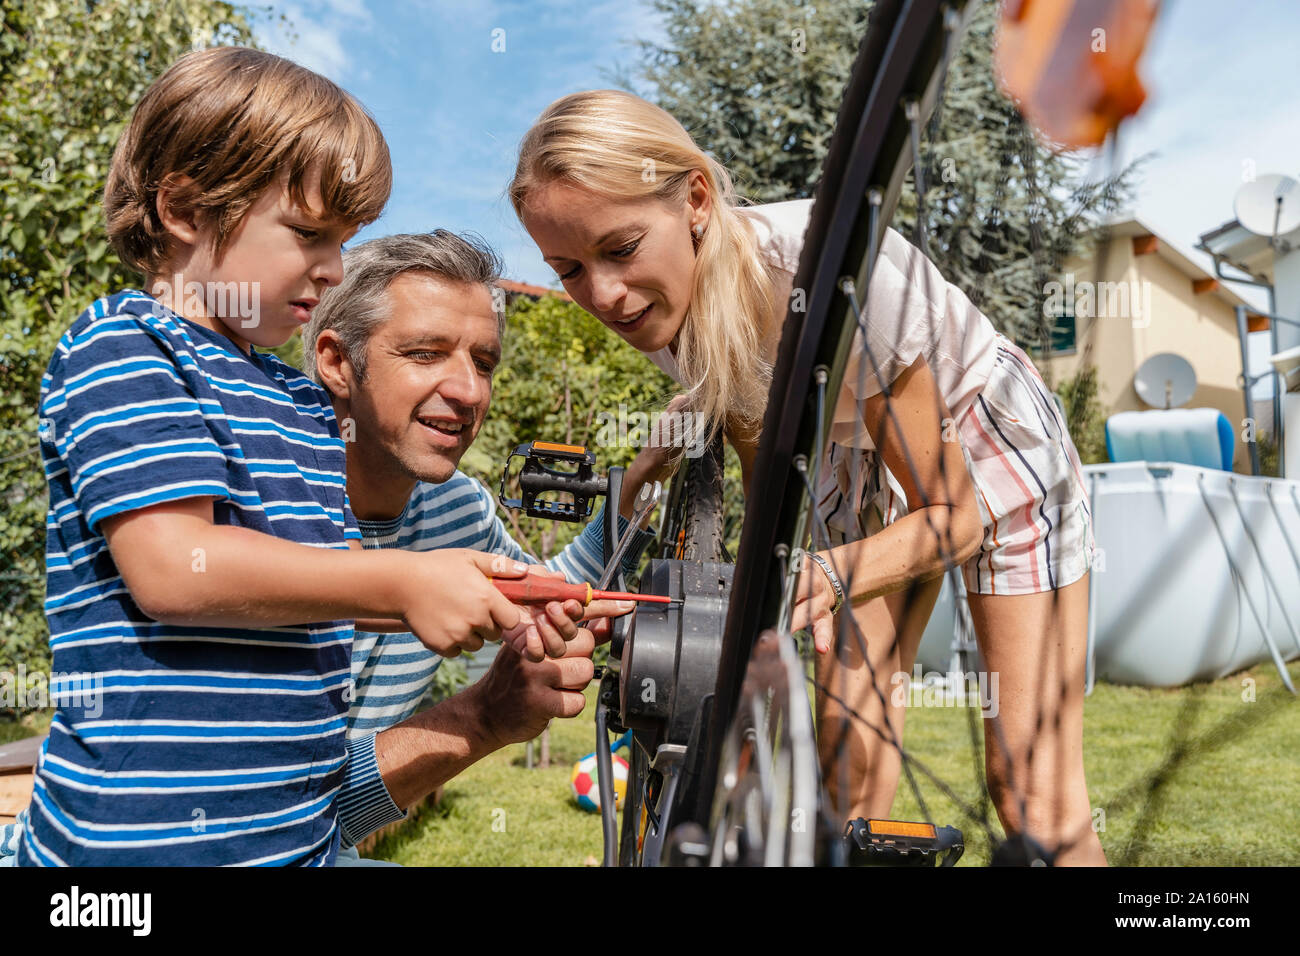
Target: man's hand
[(545, 630), (451, 604), (511, 704), (518, 698)]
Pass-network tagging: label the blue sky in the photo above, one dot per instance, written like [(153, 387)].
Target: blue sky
[(452, 109), (1221, 81)]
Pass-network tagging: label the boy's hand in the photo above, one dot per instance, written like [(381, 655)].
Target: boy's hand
[(451, 604)]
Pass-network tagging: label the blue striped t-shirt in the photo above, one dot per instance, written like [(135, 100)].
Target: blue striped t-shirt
[(174, 744)]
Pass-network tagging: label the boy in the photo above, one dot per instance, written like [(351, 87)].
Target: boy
[(198, 513)]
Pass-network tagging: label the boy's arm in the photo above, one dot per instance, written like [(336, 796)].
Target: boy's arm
[(126, 432), (181, 568), (541, 629)]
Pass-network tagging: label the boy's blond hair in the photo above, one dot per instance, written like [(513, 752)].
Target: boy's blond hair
[(234, 120)]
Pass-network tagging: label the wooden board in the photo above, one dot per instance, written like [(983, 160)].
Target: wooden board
[(19, 756), (15, 794)]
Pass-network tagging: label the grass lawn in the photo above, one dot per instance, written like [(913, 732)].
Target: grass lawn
[(1228, 799), (1227, 796)]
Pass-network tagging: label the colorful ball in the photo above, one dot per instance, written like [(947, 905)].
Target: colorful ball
[(586, 790)]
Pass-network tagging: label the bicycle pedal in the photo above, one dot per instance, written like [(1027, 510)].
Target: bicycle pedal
[(902, 843), (538, 477)]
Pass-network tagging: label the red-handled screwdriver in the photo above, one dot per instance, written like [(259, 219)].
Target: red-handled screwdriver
[(535, 589)]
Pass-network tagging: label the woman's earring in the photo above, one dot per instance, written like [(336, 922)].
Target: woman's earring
[(698, 230)]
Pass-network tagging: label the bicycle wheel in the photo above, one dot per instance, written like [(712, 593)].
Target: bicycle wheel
[(690, 549), (745, 771), (902, 56), (902, 60)]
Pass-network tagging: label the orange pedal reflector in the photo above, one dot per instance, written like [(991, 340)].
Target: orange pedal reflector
[(556, 446), (900, 828)]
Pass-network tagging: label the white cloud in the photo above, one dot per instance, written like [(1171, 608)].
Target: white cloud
[(318, 39)]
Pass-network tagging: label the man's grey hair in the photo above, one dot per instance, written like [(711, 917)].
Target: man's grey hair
[(359, 304)]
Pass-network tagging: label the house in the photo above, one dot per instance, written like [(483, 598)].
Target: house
[(1273, 263), (1150, 299)]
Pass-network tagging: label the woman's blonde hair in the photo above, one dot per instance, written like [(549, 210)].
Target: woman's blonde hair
[(618, 145)]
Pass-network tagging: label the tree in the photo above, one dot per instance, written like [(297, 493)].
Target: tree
[(758, 83), (1085, 416), (70, 72)]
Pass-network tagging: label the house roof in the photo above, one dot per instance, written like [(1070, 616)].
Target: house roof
[(1168, 252), (532, 291)]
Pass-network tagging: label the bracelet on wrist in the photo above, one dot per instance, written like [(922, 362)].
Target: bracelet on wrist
[(836, 586)]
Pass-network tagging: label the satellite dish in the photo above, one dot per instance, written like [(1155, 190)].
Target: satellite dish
[(1269, 206), (1165, 380)]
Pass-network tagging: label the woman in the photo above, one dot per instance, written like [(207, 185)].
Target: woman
[(945, 447)]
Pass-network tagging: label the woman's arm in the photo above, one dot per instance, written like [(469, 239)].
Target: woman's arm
[(746, 451), (918, 443)]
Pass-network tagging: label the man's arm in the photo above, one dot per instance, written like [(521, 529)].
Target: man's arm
[(512, 703)]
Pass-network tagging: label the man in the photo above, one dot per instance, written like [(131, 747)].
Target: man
[(406, 346)]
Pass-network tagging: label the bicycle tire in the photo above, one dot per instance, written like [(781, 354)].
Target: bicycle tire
[(692, 529)]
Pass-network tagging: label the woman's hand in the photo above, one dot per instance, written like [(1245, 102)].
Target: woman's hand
[(660, 455), (813, 606)]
